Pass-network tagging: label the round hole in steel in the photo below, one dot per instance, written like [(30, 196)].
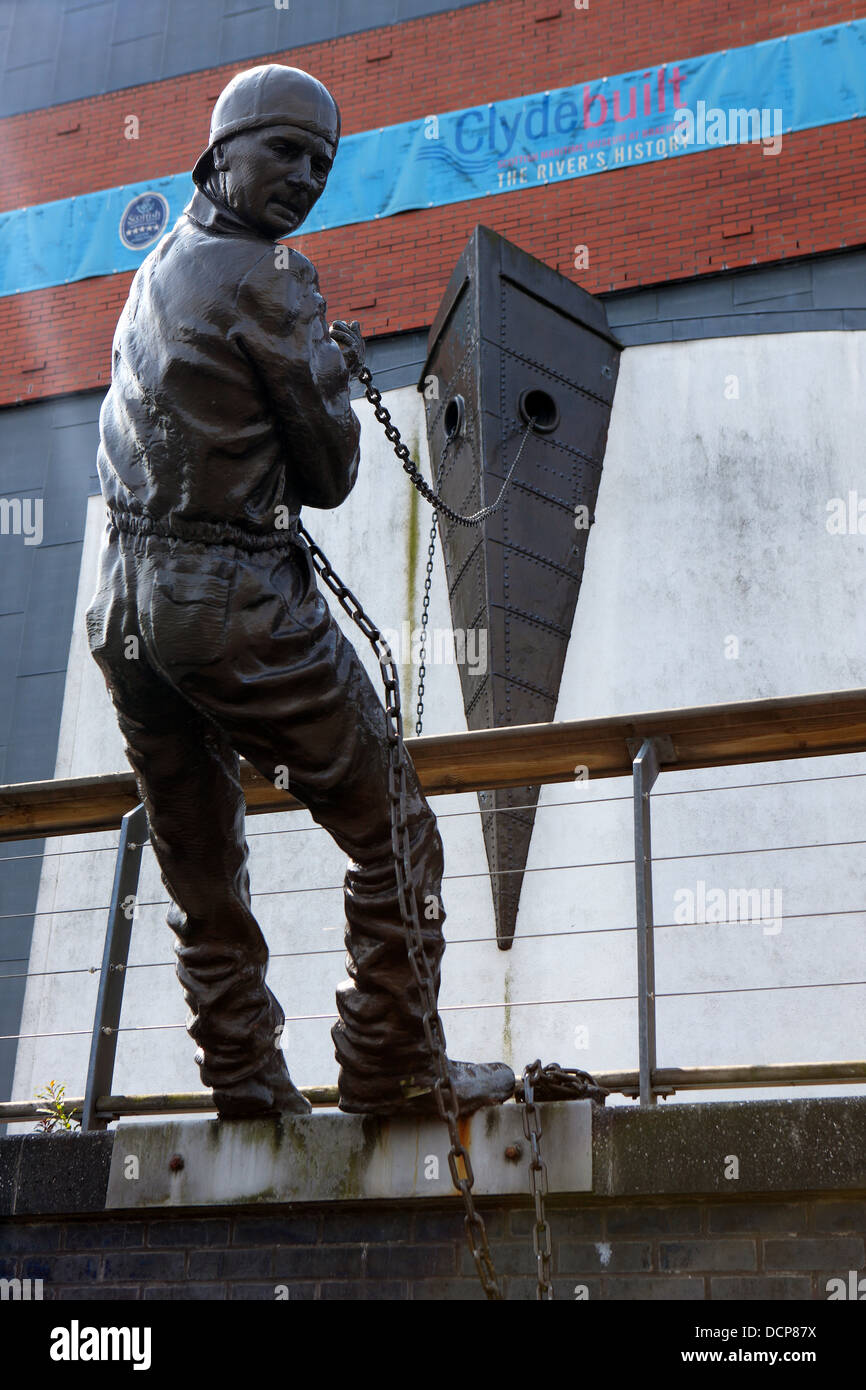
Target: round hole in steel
[(539, 409), (455, 412)]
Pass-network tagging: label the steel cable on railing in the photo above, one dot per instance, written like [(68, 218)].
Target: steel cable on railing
[(462, 1008), (481, 873), (464, 941)]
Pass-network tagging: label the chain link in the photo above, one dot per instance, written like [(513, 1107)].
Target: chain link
[(537, 1182), (443, 1088), (383, 415), (425, 618), (551, 1082)]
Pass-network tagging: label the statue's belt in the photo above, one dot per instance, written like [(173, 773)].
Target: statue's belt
[(204, 532)]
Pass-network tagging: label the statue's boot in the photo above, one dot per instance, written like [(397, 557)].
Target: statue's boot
[(475, 1084), (269, 1091)]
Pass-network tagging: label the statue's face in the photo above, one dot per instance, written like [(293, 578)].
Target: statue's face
[(272, 177)]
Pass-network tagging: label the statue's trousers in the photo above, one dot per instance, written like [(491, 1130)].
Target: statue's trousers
[(215, 650)]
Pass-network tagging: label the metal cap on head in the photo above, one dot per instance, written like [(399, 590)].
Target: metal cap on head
[(270, 95)]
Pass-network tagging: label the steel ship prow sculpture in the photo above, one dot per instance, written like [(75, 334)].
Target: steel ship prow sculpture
[(515, 343)]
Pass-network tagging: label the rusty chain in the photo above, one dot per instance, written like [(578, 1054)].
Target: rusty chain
[(551, 1082), (537, 1182), (434, 1033)]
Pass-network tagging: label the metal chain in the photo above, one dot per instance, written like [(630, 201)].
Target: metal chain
[(425, 618), (552, 1082), (537, 1182), (434, 1034), (383, 415)]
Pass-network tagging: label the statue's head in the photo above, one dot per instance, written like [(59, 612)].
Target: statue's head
[(273, 137)]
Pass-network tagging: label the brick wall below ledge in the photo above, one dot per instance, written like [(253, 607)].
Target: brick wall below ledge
[(752, 1248), (663, 1219)]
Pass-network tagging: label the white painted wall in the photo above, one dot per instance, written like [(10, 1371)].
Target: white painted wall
[(711, 525)]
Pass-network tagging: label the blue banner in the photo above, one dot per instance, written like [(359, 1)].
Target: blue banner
[(758, 93)]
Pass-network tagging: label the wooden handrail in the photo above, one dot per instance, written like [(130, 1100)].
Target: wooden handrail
[(753, 731), (667, 1080)]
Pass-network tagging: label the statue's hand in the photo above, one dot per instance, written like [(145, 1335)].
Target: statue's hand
[(348, 338)]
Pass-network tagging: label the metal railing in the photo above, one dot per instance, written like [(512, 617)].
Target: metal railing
[(642, 744)]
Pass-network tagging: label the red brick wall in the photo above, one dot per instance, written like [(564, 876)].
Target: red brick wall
[(641, 224)]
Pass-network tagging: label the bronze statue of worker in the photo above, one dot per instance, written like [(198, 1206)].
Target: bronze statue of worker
[(228, 411)]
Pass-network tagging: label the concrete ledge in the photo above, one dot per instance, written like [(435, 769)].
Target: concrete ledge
[(54, 1173), (813, 1145), (329, 1157), (779, 1147)]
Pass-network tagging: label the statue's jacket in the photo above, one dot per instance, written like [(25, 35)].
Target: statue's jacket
[(229, 404)]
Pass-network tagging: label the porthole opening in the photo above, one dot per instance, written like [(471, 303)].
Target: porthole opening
[(455, 413), (539, 409)]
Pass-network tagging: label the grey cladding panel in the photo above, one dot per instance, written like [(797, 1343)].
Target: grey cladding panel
[(50, 608), (16, 565), (812, 294), (140, 18), (64, 50)]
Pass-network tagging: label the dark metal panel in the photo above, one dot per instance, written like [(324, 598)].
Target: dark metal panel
[(50, 608), (65, 493), (839, 282), (33, 36), (127, 61), (811, 294), (394, 361), (373, 14), (85, 46), (73, 410), (32, 749), (11, 628), (190, 45), (15, 569), (632, 306), (774, 282), (142, 41), (19, 85), (777, 303), (254, 28), (19, 886), (745, 324), (133, 21), (636, 334), (20, 877)]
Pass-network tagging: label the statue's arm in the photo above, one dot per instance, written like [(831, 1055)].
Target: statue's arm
[(300, 368)]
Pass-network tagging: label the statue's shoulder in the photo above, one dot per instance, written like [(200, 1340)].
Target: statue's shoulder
[(276, 262), (277, 279)]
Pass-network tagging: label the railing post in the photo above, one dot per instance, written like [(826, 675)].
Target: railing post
[(103, 1046), (645, 770)]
